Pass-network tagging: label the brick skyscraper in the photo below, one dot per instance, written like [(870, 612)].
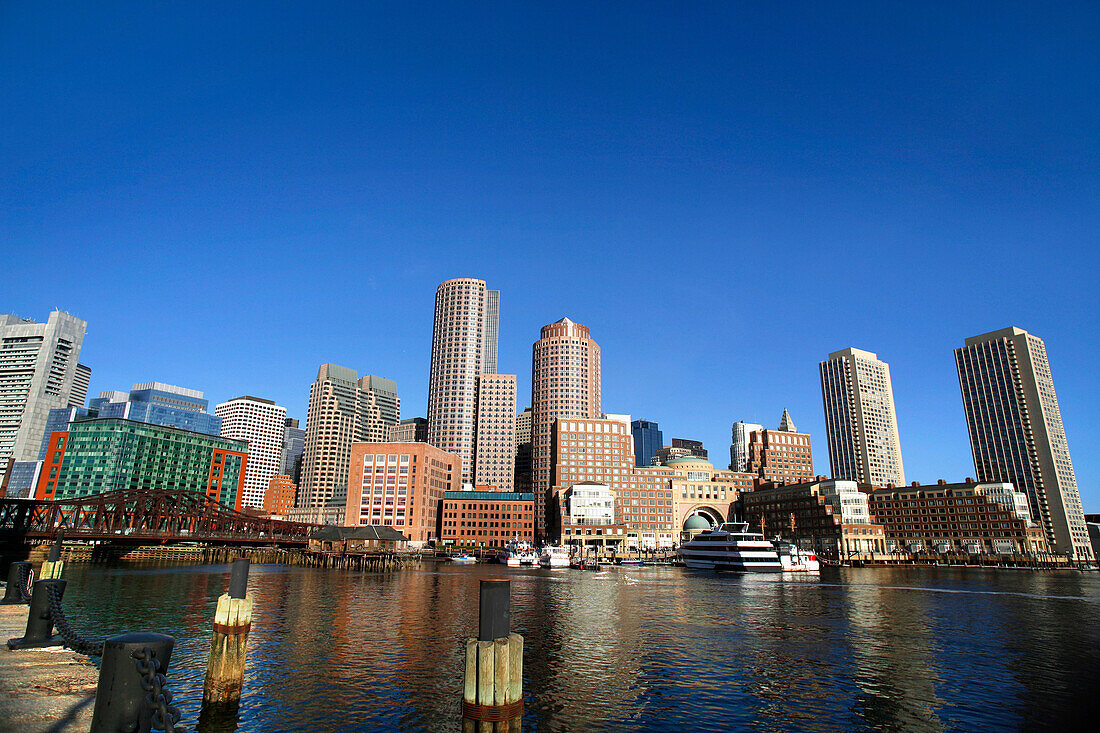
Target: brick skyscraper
[(565, 383)]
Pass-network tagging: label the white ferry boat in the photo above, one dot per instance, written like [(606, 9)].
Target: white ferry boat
[(731, 547), (518, 552), (554, 557), (796, 560)]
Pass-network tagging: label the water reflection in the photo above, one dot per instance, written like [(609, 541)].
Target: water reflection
[(638, 649)]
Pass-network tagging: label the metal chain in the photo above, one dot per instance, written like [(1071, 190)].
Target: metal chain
[(73, 640), (26, 577), (157, 697)]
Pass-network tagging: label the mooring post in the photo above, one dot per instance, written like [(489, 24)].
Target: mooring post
[(232, 622), (54, 564), (39, 631), (492, 698), (18, 573), (119, 696)]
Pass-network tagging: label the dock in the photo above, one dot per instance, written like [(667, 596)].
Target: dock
[(43, 689)]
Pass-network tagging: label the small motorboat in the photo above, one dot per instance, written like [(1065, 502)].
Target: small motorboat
[(462, 558)]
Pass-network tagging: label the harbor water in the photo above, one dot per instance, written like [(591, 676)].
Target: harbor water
[(663, 649)]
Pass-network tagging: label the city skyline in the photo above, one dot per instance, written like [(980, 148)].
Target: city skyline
[(740, 157)]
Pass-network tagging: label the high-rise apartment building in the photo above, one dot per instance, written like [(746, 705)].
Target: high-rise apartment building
[(739, 446), (409, 430), (1016, 431), (39, 372), (399, 485), (860, 423), (157, 403), (294, 444), (648, 439), (565, 383), (495, 451), (380, 405), (262, 424), (464, 346)]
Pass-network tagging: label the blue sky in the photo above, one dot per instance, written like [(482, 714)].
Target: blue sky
[(233, 193)]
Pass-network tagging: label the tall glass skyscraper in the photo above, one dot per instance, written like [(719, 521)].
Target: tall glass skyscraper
[(648, 439)]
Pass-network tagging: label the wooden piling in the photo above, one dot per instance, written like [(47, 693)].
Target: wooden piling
[(492, 696), (225, 668), (51, 570)]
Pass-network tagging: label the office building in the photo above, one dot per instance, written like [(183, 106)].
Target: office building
[(860, 423), (782, 455), (694, 447), (972, 517), (486, 518), (739, 445), (343, 410), (400, 485), (1016, 431), (647, 440), (464, 346), (668, 453), (39, 372), (410, 430), (157, 403), (280, 495), (380, 405), (294, 444), (523, 426), (495, 449), (261, 424), (109, 454), (565, 383)]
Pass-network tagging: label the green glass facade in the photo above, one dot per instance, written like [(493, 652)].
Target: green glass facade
[(108, 454)]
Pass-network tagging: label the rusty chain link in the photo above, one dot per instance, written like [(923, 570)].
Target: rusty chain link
[(157, 697), (72, 639)]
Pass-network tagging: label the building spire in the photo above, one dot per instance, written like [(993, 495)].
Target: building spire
[(786, 424)]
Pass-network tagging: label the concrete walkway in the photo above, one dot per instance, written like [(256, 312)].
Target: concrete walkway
[(42, 689)]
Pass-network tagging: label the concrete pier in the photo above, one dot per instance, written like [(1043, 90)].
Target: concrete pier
[(43, 688)]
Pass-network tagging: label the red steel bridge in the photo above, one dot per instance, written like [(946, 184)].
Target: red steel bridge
[(146, 517)]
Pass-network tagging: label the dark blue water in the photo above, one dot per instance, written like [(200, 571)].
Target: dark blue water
[(641, 649)]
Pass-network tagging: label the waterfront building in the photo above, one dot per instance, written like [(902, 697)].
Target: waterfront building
[(343, 410), (651, 503), (648, 438), (486, 517), (565, 383), (972, 517), (400, 485), (495, 426), (294, 444), (39, 372), (279, 497), (1016, 431), (410, 430), (782, 455), (380, 405), (739, 444), (109, 454), (829, 516), (158, 403), (860, 422), (1092, 521), (588, 517), (464, 346), (262, 425)]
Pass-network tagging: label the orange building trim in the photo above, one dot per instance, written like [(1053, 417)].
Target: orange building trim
[(51, 466)]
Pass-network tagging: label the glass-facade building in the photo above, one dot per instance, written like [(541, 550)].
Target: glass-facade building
[(108, 454), (159, 404), (648, 439)]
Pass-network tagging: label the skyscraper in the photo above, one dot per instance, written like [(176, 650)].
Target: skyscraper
[(739, 446), (495, 453), (262, 423), (38, 373), (381, 407), (464, 346), (1016, 431), (157, 403), (294, 444), (333, 423), (565, 383), (860, 423), (648, 439)]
